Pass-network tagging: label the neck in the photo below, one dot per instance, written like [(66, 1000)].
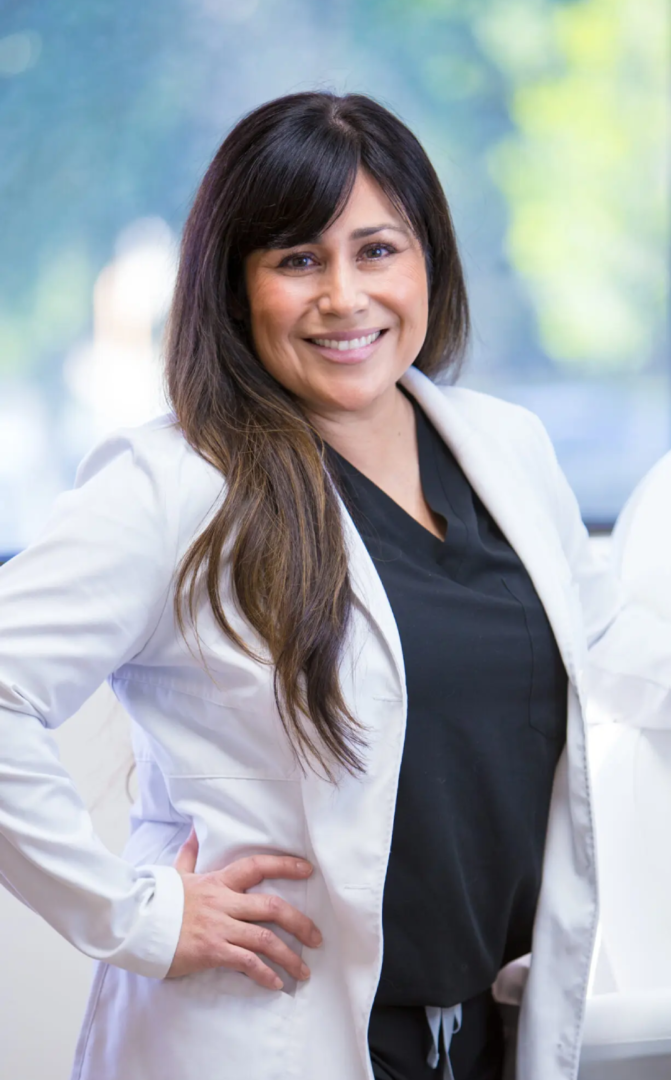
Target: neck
[(376, 439)]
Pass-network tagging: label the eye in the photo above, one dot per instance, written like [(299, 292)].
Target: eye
[(297, 261), (375, 252)]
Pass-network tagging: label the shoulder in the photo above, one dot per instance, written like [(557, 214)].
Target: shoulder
[(472, 408), (504, 431), (493, 414), (511, 433), (158, 445), (513, 438), (155, 470)]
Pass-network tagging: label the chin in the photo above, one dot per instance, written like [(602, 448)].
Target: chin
[(354, 394)]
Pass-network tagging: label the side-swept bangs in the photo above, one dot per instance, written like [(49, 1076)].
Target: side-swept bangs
[(285, 173), (300, 179)]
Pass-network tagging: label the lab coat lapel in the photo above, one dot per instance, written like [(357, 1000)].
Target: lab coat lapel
[(352, 857), (369, 593), (504, 487), (367, 587)]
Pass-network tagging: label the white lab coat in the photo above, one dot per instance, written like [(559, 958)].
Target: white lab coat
[(631, 677), (92, 599)]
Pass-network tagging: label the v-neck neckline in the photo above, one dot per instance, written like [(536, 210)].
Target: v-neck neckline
[(427, 464)]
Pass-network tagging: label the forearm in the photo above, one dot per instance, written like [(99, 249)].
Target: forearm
[(54, 862)]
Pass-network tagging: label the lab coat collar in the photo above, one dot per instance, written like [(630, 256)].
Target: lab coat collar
[(505, 488)]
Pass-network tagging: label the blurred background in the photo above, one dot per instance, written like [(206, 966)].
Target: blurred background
[(548, 121)]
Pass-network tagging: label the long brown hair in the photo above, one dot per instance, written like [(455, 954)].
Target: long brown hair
[(280, 178)]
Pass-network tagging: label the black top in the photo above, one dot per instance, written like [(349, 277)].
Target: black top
[(486, 725)]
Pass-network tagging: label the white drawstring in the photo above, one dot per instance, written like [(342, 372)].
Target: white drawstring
[(450, 1022)]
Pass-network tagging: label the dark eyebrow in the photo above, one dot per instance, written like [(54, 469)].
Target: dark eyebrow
[(358, 234), (361, 234), (368, 230)]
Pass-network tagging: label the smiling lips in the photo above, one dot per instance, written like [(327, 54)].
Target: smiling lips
[(345, 346)]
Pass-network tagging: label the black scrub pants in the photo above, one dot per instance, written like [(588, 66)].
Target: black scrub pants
[(399, 1039)]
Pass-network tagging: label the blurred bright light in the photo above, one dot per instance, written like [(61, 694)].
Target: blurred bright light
[(117, 376), (18, 52), (144, 271)]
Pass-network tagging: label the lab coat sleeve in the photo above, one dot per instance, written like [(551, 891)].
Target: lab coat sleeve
[(82, 600), (631, 669)]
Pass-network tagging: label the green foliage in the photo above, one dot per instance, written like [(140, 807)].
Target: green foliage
[(585, 174)]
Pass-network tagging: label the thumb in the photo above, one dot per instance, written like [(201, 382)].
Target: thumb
[(187, 855)]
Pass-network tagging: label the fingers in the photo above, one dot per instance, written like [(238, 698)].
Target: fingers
[(220, 924), (247, 963), (245, 873), (259, 907), (187, 856), (259, 939)]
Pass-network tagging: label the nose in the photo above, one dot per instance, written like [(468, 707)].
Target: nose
[(341, 293)]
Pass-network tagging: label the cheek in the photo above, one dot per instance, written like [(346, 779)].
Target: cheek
[(411, 299), (272, 313)]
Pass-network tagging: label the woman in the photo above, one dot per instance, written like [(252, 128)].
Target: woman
[(320, 545)]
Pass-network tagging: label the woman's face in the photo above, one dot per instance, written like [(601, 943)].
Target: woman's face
[(337, 320)]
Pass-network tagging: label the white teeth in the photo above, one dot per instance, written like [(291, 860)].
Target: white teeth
[(352, 343)]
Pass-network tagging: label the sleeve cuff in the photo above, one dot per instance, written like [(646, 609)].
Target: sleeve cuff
[(159, 924)]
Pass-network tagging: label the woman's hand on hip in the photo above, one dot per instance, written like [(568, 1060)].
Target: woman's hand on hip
[(219, 924)]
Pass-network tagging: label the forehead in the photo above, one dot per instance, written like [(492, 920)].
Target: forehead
[(366, 206)]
